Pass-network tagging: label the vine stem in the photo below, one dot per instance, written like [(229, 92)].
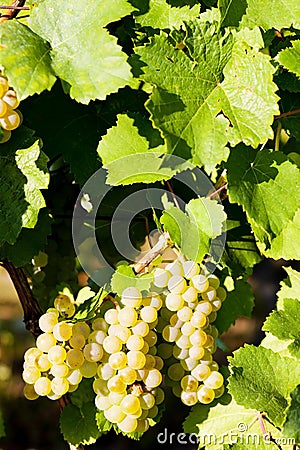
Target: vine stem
[(18, 8), (159, 247), (277, 137), (32, 313), (12, 10), (264, 430), (213, 194), (289, 113), (170, 189)]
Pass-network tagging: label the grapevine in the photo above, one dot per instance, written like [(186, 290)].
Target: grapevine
[(149, 166)]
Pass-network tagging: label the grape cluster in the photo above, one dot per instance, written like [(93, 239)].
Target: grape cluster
[(9, 118), (192, 300), (128, 378), (65, 353)]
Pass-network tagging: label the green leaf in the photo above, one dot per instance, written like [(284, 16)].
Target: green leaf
[(124, 277), (238, 303), (25, 59), (261, 379), (79, 426), (87, 308), (259, 182), (192, 231), (162, 15), (2, 429), (291, 426), (83, 53), (29, 241), (127, 155), (33, 164), (285, 324), (289, 58), (290, 288), (231, 12), (84, 393), (201, 124), (103, 424), (269, 14)]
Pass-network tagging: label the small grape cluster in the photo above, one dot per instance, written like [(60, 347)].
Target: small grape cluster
[(128, 378), (192, 300), (10, 119), (65, 353)]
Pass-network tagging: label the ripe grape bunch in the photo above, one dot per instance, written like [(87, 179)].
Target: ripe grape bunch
[(10, 118), (141, 340)]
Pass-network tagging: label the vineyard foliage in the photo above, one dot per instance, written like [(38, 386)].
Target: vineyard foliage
[(151, 93)]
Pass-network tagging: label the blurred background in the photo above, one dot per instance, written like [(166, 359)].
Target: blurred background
[(35, 425)]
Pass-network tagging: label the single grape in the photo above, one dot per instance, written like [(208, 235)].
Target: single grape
[(153, 300), (148, 314), (188, 363), (196, 352), (93, 352), (161, 277), (135, 342), (131, 297), (213, 281), (115, 398), (127, 375), (47, 321), (118, 360), (221, 293), (180, 353), (200, 283), (183, 342), (60, 370), (127, 316), (210, 294), (185, 313), (205, 307), (136, 359), (62, 331), (153, 412), (102, 403), (190, 269), (88, 369), (147, 400), (111, 316), (159, 362), (170, 334), (57, 354), (74, 358), (219, 392), (6, 135), (31, 355), (174, 302), (45, 341), (216, 304), (187, 329), (128, 425), (42, 363), (153, 378), (176, 284), (175, 372), (62, 302), (42, 386), (199, 337), (205, 395), (141, 328), (31, 375), (29, 392), (165, 350), (175, 268), (105, 371), (189, 383), (77, 341), (198, 319), (215, 380), (81, 328), (201, 372), (59, 386), (99, 324), (100, 387), (130, 404), (3, 108), (151, 338), (114, 414), (74, 377), (159, 395), (142, 425), (189, 398), (116, 384), (190, 295)]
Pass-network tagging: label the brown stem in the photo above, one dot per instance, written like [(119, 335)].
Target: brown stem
[(213, 194), (170, 189), (32, 313), (13, 10), (158, 248), (264, 430), (289, 113), (19, 8)]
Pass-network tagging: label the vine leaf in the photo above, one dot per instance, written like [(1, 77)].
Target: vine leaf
[(129, 158), (221, 424), (24, 173), (98, 67), (78, 425), (231, 12), (239, 302), (269, 14), (289, 288), (125, 277), (259, 182), (260, 379), (162, 15), (200, 124), (291, 425), (289, 58), (193, 231), (25, 59)]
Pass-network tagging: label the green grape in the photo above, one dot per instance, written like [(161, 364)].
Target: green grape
[(148, 314), (60, 371), (189, 398), (200, 283), (45, 341), (42, 386), (29, 392), (111, 316), (219, 392), (153, 378), (62, 331), (115, 398), (210, 294), (190, 269), (62, 302), (221, 293), (74, 377), (114, 414), (31, 375), (150, 362), (216, 304), (77, 341), (212, 317), (215, 380), (59, 386), (100, 387), (154, 300), (199, 337), (170, 334), (147, 400), (127, 375), (184, 314), (121, 332), (99, 324), (135, 342), (188, 363), (102, 403), (213, 281), (153, 412), (165, 350), (175, 321), (201, 372), (176, 389), (141, 329), (159, 362), (47, 321), (189, 383), (159, 395), (180, 353), (42, 363), (93, 352), (187, 329), (196, 352), (204, 307), (10, 98), (174, 302), (6, 135), (116, 384), (136, 359), (130, 404), (142, 425), (11, 120), (118, 360), (112, 344), (88, 369), (127, 316), (131, 297), (190, 295), (31, 355), (205, 395), (74, 358), (183, 342), (151, 338), (81, 328), (57, 354), (176, 372), (128, 425), (177, 284), (105, 371), (175, 268), (161, 277)]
